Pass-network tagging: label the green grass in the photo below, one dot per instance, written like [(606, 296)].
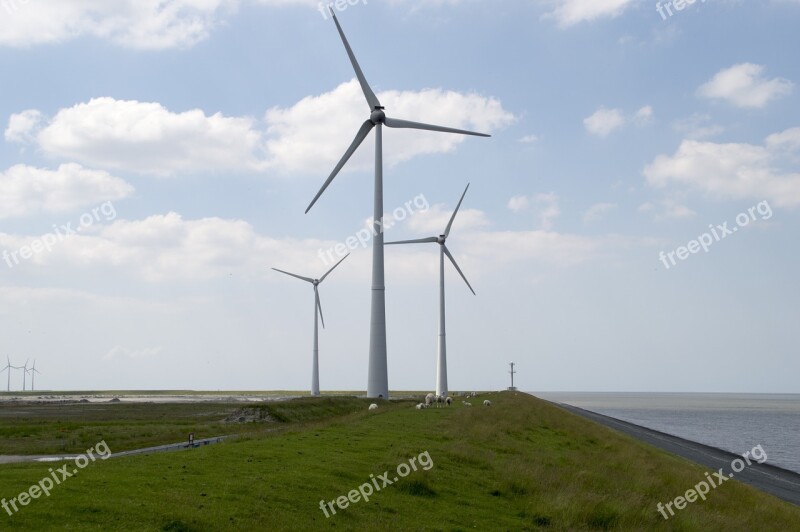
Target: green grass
[(520, 465)]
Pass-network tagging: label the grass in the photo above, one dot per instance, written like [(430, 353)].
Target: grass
[(522, 464)]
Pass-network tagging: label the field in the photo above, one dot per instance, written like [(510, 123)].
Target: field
[(521, 464)]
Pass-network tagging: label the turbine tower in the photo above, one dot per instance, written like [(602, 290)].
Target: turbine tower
[(8, 368), (24, 373), (317, 317), (441, 365), (378, 379), (33, 371)]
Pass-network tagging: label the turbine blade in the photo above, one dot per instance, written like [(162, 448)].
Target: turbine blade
[(406, 124), (306, 279), (450, 223), (366, 127), (372, 100), (417, 241), (449, 256), (319, 306), (334, 267)]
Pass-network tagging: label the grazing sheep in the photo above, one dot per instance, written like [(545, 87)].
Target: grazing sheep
[(429, 399), (487, 403), (466, 403), (448, 401), (373, 406), (439, 401)]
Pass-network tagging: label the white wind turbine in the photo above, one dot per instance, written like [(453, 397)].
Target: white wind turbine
[(317, 318), (441, 364), (33, 371), (24, 373), (8, 368), (378, 379)]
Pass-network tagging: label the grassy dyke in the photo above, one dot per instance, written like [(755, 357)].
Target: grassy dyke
[(521, 464)]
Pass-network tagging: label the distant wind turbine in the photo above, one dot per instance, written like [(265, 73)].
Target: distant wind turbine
[(8, 368), (317, 317), (378, 379), (24, 373), (441, 366), (33, 371)]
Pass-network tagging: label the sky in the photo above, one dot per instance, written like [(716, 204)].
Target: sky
[(631, 225)]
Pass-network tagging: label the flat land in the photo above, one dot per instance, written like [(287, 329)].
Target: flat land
[(521, 464)]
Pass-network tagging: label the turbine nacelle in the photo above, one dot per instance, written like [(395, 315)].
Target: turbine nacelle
[(442, 239), (377, 116)]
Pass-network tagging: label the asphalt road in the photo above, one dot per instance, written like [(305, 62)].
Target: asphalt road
[(780, 482)]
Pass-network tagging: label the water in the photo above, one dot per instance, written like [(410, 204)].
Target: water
[(734, 422)]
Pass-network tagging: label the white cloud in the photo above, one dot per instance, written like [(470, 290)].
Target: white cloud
[(598, 211), (644, 115), (140, 24), (743, 85), (312, 135), (147, 138), (733, 171), (22, 126), (604, 122), (25, 190), (571, 12), (518, 203), (529, 139), (667, 209)]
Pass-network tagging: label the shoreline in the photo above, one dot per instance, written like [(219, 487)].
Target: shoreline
[(775, 480)]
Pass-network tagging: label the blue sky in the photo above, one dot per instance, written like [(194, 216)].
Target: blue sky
[(190, 135)]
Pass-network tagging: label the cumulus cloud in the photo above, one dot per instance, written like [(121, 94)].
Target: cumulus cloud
[(434, 220), (733, 170), (570, 12), (25, 190), (744, 85), (518, 203), (605, 121), (311, 136)]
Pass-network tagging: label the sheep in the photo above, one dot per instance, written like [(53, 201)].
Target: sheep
[(429, 399), (487, 403), (439, 401), (466, 403), (421, 406), (448, 401), (373, 406)]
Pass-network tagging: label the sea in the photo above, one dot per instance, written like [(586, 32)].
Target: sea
[(733, 422)]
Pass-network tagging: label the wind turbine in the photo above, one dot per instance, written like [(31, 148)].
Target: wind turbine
[(441, 365), (33, 371), (24, 373), (317, 318), (8, 368), (378, 379)]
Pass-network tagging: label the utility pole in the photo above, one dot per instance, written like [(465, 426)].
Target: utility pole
[(512, 372)]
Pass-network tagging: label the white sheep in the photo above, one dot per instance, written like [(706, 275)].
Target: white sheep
[(448, 401), (430, 399), (373, 406), (487, 403), (466, 403), (421, 406)]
